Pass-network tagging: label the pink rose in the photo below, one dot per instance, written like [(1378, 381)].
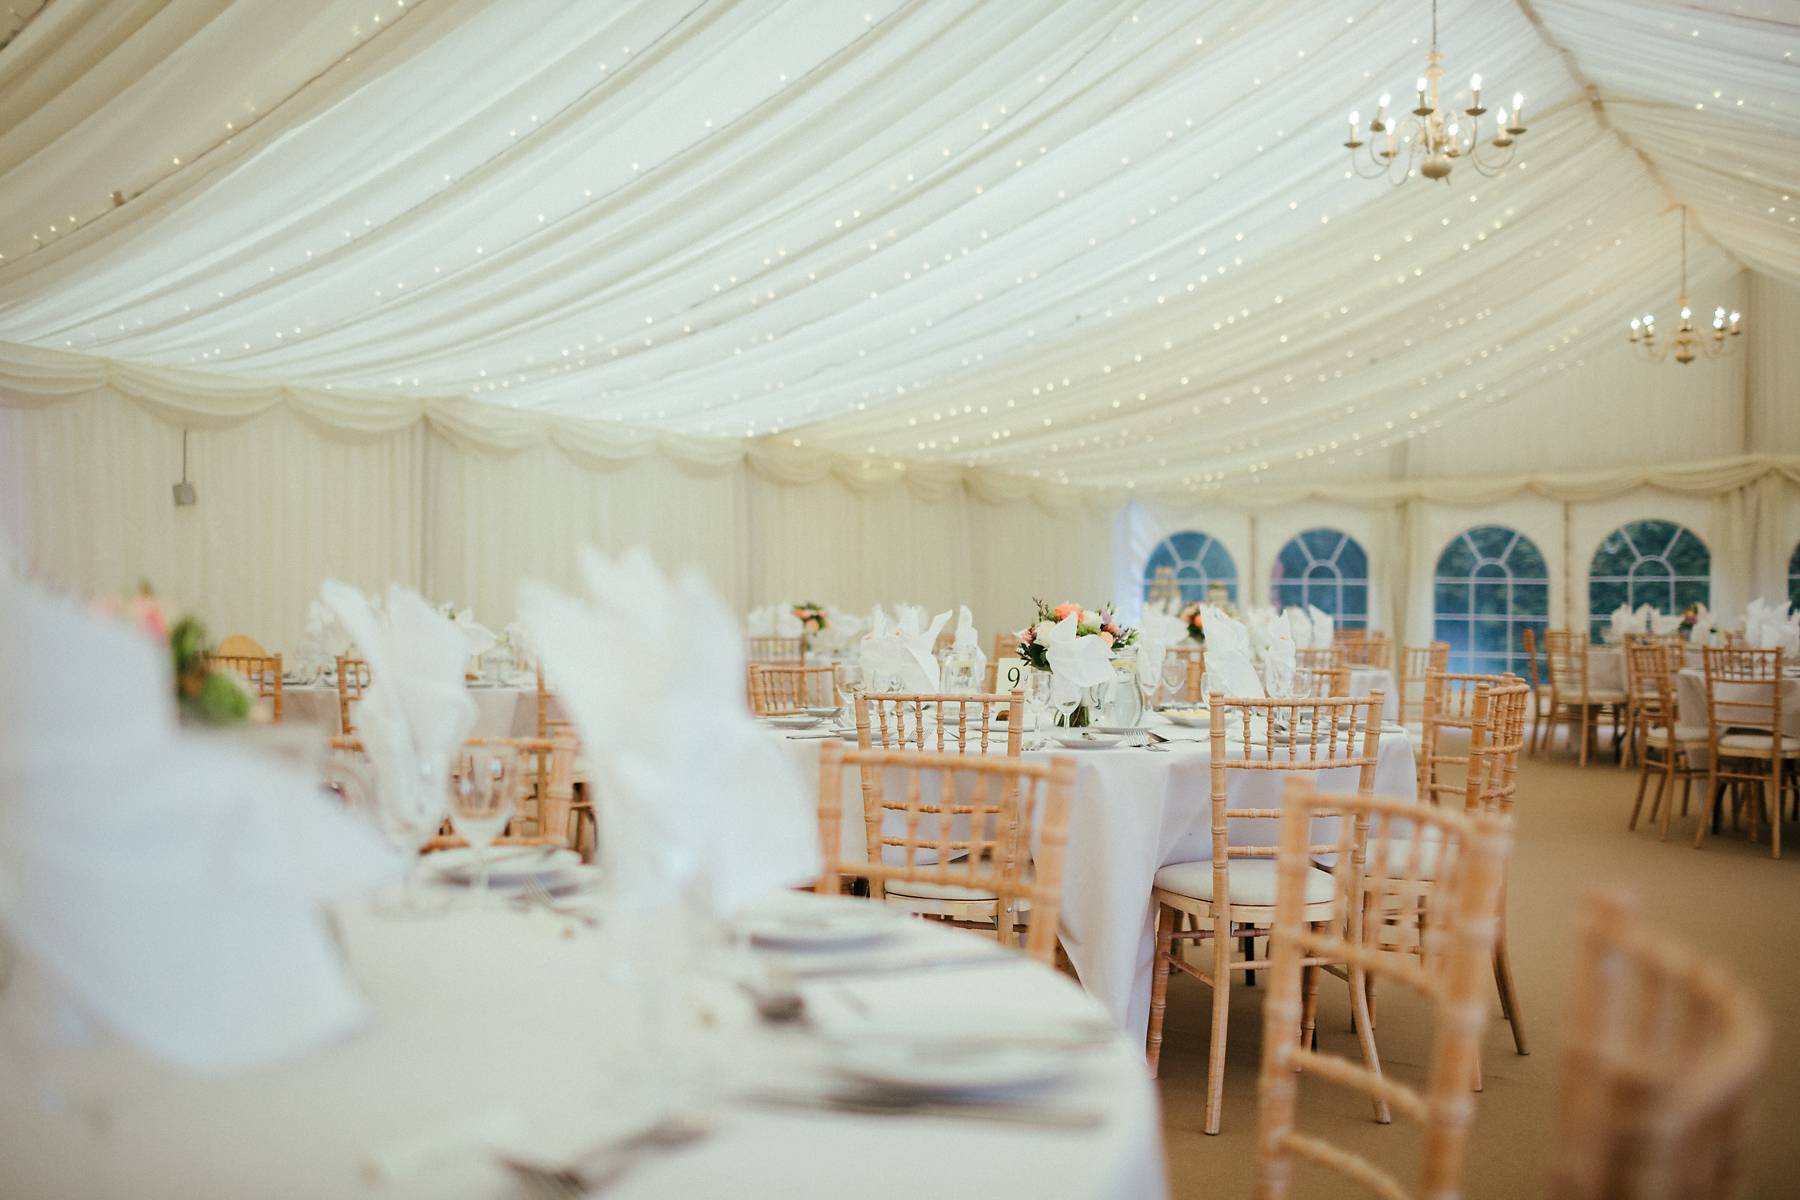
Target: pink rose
[(1105, 637), (145, 613)]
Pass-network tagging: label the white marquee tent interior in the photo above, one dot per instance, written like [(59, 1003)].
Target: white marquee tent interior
[(875, 301)]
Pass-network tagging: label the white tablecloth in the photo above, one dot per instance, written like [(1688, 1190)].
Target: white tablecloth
[(1136, 811), (485, 1017), (1690, 701), (502, 711), (1367, 680)]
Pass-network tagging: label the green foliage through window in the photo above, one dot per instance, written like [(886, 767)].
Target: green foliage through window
[(1328, 569), (1491, 585), (1198, 560), (1652, 562)]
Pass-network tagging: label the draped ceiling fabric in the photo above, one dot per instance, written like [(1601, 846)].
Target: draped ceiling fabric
[(990, 269)]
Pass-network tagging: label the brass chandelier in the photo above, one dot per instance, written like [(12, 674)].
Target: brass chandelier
[(1686, 345), (1430, 140)]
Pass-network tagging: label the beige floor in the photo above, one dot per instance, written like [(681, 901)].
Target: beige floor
[(1730, 899)]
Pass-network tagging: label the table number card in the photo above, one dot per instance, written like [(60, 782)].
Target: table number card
[(1011, 673)]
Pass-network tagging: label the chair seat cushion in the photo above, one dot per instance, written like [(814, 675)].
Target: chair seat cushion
[(1604, 696), (1759, 744), (1251, 881), (1400, 852), (1658, 735), (915, 889)]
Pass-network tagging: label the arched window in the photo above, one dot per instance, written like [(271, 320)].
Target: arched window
[(1326, 568), (1658, 563), (1491, 585), (1196, 560), (1794, 578)]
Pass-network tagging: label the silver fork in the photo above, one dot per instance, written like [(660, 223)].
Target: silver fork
[(534, 893), (606, 1164)]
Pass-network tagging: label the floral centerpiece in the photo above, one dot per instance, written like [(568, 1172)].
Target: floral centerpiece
[(1048, 634), (1688, 617), (811, 618), (205, 696), (1192, 621)]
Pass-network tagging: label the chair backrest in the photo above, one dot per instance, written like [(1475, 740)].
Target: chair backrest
[(240, 645), (352, 682), (1529, 641), (1494, 746), (1321, 681), (954, 722), (1416, 662), (1663, 1051), (1339, 734), (777, 650), (1374, 650), (778, 688), (1566, 659), (1453, 702), (958, 820), (1322, 660), (555, 798), (1650, 678), (1349, 638), (262, 672), (1743, 690), (1371, 875)]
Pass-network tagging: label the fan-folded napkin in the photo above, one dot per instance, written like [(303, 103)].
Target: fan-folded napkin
[(167, 885), (1228, 661), (1278, 661), (1159, 631), (1324, 629), (697, 803)]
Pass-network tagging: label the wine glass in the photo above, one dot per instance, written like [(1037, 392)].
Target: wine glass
[(849, 680), (484, 792), (1037, 697), (408, 811), (1066, 700), (1174, 677)]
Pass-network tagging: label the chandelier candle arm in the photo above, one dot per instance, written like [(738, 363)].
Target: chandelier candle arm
[(1686, 345)]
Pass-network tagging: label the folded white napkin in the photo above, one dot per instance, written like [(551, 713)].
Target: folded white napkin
[(1159, 630), (1661, 624), (1257, 622), (761, 621), (1229, 667), (1769, 626), (714, 819), (1704, 628), (1324, 629), (163, 885), (478, 638), (967, 643), (1075, 661), (321, 643), (1278, 662), (1622, 622), (416, 711), (1299, 627)]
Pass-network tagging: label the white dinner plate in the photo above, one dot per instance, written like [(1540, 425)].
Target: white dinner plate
[(1190, 719), (819, 923), (1121, 730), (795, 721), (953, 1067), (1080, 740), (508, 866), (822, 711)]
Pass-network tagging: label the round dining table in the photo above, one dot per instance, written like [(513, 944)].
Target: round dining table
[(1135, 810), (504, 1030)]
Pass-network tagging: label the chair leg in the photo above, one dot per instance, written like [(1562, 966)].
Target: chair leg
[(1586, 733), (1362, 1001), (1159, 986), (1309, 1003), (1637, 805), (1509, 996), (1707, 806), (1221, 1014), (1774, 807), (1249, 947)]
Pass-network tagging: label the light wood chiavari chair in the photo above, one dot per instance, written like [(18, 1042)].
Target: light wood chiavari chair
[(1664, 1050), (352, 682), (783, 650), (1322, 681), (1328, 659), (1747, 746), (240, 645), (1455, 704), (1349, 639), (778, 689), (1668, 747), (953, 722), (1540, 692), (1464, 895), (1231, 898), (550, 810), (949, 836), (1573, 700), (262, 672), (1416, 662)]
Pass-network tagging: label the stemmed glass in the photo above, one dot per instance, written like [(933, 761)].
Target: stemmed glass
[(1067, 700), (849, 680), (484, 793), (1037, 697), (1174, 677), (409, 812)]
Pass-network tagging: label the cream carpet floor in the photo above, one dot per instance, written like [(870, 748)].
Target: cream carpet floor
[(1730, 900)]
